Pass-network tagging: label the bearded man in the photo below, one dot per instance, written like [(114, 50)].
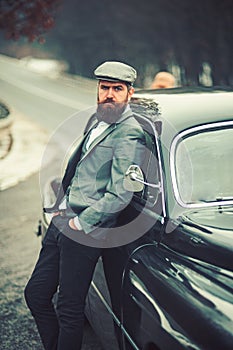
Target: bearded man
[(91, 197)]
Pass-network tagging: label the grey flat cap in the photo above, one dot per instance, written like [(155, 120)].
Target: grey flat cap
[(116, 71)]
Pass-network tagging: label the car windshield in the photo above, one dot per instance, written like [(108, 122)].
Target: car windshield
[(204, 167)]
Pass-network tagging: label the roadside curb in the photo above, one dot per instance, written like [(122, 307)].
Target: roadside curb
[(24, 157)]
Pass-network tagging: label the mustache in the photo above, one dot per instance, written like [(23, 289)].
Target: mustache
[(108, 100)]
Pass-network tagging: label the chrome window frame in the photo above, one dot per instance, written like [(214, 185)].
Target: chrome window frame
[(178, 138)]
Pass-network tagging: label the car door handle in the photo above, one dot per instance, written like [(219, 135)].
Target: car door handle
[(196, 240)]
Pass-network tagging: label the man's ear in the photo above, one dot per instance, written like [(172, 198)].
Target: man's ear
[(130, 93)]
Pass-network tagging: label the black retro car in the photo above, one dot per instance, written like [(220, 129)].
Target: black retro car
[(172, 287)]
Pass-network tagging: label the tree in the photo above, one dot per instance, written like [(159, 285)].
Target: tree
[(25, 18)]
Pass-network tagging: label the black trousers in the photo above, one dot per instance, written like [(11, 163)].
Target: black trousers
[(68, 267)]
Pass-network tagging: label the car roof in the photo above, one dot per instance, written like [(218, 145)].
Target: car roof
[(192, 106)]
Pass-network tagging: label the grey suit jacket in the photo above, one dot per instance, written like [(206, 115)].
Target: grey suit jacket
[(94, 181)]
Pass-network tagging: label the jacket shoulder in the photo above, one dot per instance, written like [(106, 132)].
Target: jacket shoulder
[(130, 125)]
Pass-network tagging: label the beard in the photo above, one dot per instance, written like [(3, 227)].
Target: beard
[(110, 111)]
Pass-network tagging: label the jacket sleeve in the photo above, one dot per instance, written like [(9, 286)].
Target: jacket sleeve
[(103, 212)]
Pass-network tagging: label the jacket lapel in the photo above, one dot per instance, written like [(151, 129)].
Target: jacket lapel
[(93, 123), (70, 170), (99, 139), (106, 132)]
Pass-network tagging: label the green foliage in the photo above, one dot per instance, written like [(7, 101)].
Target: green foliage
[(27, 18)]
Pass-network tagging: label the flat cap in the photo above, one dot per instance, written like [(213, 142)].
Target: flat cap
[(116, 71)]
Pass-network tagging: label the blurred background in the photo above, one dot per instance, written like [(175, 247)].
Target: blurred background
[(192, 39)]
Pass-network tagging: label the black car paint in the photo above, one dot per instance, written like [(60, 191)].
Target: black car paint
[(166, 297)]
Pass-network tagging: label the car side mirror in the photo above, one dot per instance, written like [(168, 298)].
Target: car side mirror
[(134, 180), (130, 183)]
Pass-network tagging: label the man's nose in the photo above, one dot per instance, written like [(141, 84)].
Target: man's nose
[(110, 93)]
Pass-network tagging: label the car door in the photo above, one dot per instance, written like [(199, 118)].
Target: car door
[(177, 292), (170, 300)]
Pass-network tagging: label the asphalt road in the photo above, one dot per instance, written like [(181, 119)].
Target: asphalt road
[(61, 106), (46, 100)]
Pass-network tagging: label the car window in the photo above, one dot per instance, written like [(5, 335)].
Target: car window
[(203, 166)]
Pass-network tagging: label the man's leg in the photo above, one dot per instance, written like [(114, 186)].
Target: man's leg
[(41, 288), (77, 264)]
